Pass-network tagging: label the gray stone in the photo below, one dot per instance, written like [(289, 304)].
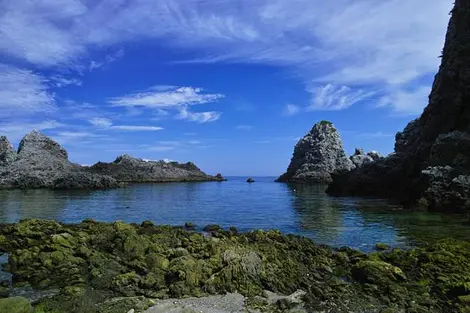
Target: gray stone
[(360, 158), (129, 169), (7, 153), (317, 155), (375, 155)]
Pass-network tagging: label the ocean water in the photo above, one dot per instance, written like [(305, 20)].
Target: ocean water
[(296, 209)]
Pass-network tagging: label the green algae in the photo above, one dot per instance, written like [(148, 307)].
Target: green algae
[(94, 262)]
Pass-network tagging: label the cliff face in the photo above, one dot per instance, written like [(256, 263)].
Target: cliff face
[(128, 169), (432, 156), (317, 155)]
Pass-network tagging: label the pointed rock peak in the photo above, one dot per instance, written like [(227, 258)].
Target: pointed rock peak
[(7, 153), (124, 157), (36, 142), (359, 151)]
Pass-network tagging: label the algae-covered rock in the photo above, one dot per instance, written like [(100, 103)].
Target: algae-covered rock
[(15, 305)]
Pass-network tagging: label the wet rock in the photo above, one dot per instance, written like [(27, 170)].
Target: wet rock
[(15, 305), (126, 168), (317, 155), (250, 180), (189, 226), (212, 227), (377, 272)]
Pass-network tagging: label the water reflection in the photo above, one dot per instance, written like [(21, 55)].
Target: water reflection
[(299, 209)]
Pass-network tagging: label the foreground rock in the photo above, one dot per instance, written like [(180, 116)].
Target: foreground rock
[(117, 267), (15, 305), (133, 170), (431, 164), (317, 155), (43, 163)]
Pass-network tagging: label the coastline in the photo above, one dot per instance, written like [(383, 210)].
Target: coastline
[(103, 261)]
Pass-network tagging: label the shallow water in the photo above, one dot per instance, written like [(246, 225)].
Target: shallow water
[(304, 210)]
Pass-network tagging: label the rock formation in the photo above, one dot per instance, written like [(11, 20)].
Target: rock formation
[(133, 170), (360, 158), (317, 155), (431, 163), (43, 163), (250, 180), (7, 153)]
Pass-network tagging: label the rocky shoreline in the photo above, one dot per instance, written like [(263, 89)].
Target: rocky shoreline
[(118, 267), (41, 162)]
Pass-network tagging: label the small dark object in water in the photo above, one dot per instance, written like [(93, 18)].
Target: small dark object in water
[(250, 180), (189, 226), (212, 228)]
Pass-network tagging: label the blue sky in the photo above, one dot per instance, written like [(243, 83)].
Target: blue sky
[(228, 84)]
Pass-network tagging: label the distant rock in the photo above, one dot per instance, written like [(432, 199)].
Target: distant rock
[(250, 180), (133, 170), (7, 153), (43, 163), (219, 177), (360, 158), (317, 155), (375, 155)]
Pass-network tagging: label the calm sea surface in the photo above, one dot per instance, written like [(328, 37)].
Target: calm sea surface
[(297, 209)]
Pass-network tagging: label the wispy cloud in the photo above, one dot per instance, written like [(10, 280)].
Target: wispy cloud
[(244, 127), (110, 58), (18, 129), (199, 117), (107, 124), (23, 92), (330, 97), (291, 109)]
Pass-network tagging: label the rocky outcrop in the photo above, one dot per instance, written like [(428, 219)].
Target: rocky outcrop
[(317, 155), (43, 163), (431, 163), (7, 153), (360, 158), (133, 170)]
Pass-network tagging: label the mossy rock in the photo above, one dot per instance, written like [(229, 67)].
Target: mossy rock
[(212, 227), (15, 305), (377, 272)]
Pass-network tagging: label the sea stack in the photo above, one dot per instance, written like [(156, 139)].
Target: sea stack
[(431, 163), (317, 155)]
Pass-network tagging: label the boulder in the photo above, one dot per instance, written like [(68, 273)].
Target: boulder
[(431, 162), (360, 158), (250, 180), (317, 155)]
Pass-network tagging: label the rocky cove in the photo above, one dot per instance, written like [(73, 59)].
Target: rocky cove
[(119, 267)]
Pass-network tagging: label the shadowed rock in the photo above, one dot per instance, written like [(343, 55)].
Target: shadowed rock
[(7, 153), (431, 163)]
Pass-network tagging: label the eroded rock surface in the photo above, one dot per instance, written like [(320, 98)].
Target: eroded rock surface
[(317, 155)]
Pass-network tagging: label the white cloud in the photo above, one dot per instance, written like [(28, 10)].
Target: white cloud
[(101, 122), (194, 142), (18, 129), (334, 42), (167, 98), (199, 117), (107, 124), (330, 97), (244, 127), (135, 128), (405, 102), (291, 109), (61, 81), (23, 92)]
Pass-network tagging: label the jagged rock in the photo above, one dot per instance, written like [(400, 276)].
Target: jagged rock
[(360, 158), (43, 163), (129, 169), (375, 155), (7, 153), (317, 155), (431, 162)]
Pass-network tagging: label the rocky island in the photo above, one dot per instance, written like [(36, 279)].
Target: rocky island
[(431, 164), (41, 162), (318, 154), (94, 267)]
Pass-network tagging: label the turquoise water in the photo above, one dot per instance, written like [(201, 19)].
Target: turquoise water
[(297, 209)]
